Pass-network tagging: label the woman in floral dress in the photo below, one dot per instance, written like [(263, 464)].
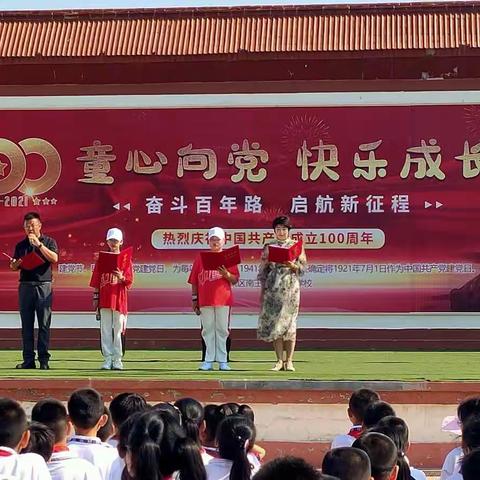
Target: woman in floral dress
[(280, 297)]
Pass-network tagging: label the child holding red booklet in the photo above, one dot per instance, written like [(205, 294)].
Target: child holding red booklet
[(212, 300), (110, 298)]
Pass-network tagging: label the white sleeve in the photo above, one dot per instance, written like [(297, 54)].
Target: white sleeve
[(450, 463), (40, 470)]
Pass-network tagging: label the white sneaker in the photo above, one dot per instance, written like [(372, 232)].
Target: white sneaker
[(107, 365), (117, 365)]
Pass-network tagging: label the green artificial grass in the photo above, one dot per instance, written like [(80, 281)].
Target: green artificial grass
[(255, 365)]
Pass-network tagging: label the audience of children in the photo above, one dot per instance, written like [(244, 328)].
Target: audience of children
[(189, 441)]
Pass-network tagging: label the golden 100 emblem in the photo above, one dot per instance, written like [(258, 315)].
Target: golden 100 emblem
[(17, 156)]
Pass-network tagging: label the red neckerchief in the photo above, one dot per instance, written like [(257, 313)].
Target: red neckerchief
[(355, 431), (60, 448), (5, 453)]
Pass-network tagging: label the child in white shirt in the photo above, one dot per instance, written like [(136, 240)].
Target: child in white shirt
[(358, 403), (86, 411), (235, 438), (14, 436), (63, 464)]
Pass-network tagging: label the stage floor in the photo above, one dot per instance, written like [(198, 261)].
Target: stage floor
[(255, 365)]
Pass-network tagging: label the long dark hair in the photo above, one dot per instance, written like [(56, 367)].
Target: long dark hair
[(159, 447), (396, 429), (235, 438), (192, 417)]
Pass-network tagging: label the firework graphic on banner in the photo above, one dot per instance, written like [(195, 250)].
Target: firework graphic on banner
[(302, 128), (472, 119)]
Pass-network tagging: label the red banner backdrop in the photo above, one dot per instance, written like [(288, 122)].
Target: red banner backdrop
[(386, 198)]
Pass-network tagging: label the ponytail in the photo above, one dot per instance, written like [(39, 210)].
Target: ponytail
[(144, 446), (192, 413), (146, 461), (192, 430), (191, 462), (241, 468), (403, 467), (235, 437)]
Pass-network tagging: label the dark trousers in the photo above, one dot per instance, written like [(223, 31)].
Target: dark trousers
[(35, 298)]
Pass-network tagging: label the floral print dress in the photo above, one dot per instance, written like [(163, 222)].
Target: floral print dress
[(280, 298)]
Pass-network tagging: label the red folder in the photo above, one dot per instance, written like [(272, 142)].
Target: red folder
[(31, 260), (282, 254), (109, 262), (228, 258)]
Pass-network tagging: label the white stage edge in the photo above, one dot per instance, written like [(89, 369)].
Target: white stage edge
[(335, 321)]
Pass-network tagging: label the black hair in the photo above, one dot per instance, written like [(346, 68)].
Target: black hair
[(169, 408), (382, 452), (227, 409), (123, 433), (375, 412), (30, 216), (211, 421), (468, 407), (214, 414), (293, 468), (396, 429), (105, 432), (124, 404), (247, 411), (471, 433), (85, 407), (42, 440), (347, 463), (235, 438), (282, 220), (52, 413), (13, 423), (192, 417), (470, 466), (159, 447), (360, 400)]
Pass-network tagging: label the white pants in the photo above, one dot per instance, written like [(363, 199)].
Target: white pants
[(215, 332), (112, 323)]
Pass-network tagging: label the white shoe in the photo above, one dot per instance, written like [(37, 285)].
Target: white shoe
[(289, 366), (278, 366), (206, 366), (107, 365), (224, 366), (117, 365)]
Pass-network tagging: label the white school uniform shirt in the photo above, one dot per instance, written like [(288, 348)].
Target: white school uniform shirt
[(206, 457), (343, 440), (92, 449), (113, 442), (417, 474), (219, 468), (117, 469), (27, 466), (451, 464), (68, 466)]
